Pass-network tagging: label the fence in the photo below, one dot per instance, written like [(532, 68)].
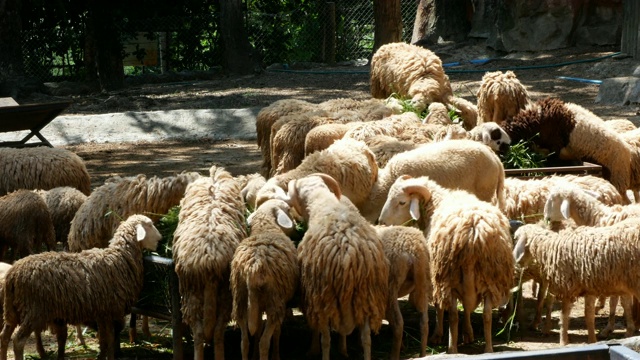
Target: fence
[(193, 43)]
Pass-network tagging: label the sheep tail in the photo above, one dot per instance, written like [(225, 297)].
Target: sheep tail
[(253, 311)]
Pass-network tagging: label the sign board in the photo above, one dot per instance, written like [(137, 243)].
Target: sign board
[(142, 51)]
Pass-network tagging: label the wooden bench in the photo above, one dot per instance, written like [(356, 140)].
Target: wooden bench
[(31, 117)]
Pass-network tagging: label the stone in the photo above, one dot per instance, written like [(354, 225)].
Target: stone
[(619, 91)]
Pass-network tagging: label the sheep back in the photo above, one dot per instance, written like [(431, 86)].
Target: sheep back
[(500, 97)]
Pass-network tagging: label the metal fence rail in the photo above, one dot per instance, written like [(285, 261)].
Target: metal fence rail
[(193, 44)]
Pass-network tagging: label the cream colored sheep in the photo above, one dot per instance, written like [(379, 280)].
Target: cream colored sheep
[(500, 97), (385, 147), (557, 126), (437, 114), (409, 274), (460, 164), (98, 286), (97, 218), (211, 225), (267, 117), (250, 190), (322, 136), (469, 244), (620, 125), (587, 261), (264, 277), (344, 273), (348, 161), (63, 203), (42, 168)]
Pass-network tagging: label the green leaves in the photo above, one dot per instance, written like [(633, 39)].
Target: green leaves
[(522, 156)]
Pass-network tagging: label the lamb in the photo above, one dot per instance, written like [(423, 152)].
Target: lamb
[(492, 135), (575, 130), (385, 147), (264, 276), (348, 161), (417, 73), (469, 244), (500, 97), (63, 203), (42, 168), (211, 225), (344, 273), (587, 261), (97, 286), (408, 254), (460, 164), (26, 225), (437, 114), (91, 227)]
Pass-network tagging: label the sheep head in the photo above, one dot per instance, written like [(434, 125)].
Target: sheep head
[(146, 234), (559, 205), (492, 135), (275, 209), (300, 190), (521, 252), (270, 190), (403, 201)]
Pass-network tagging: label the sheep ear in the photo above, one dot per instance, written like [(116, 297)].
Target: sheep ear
[(565, 208), (280, 194), (283, 219), (486, 138), (250, 218), (141, 232), (595, 194), (519, 249), (414, 208)]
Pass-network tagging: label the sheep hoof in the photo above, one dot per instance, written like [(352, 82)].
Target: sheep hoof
[(436, 339)]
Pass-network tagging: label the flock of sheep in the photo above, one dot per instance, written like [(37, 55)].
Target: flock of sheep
[(393, 205)]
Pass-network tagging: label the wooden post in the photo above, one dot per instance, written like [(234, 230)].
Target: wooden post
[(330, 34), (631, 28)]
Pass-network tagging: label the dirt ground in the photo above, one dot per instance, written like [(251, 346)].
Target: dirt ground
[(316, 84)]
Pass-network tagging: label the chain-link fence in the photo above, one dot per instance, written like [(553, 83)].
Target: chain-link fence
[(176, 43)]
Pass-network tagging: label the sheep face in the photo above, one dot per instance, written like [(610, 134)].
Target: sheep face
[(270, 190), (403, 201), (521, 252), (495, 137), (147, 234), (556, 208)]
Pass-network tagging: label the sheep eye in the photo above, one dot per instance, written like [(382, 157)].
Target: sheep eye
[(402, 203)]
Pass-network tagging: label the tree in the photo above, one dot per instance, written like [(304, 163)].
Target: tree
[(388, 22), (10, 46), (446, 19), (238, 52), (105, 35)]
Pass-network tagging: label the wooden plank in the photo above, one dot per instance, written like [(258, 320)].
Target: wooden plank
[(630, 43), (7, 101)]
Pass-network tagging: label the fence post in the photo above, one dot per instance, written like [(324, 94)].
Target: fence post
[(330, 35), (631, 28)]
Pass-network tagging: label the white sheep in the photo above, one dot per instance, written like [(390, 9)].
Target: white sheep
[(385, 147), (63, 203), (97, 286), (409, 274), (500, 97), (42, 168), (26, 225), (415, 72), (492, 135), (583, 261), (469, 244), (250, 190), (211, 225), (460, 164), (569, 129), (264, 276), (97, 218), (344, 273), (348, 161)]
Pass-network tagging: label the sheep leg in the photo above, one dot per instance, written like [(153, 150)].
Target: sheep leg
[(325, 339), (486, 321), (40, 347), (365, 338), (590, 317), (61, 338), (315, 343), (627, 305), (424, 328), (79, 335), (5, 337), (564, 321), (276, 342), (343, 346), (20, 339), (453, 325), (106, 337), (218, 338), (600, 303), (145, 327), (265, 339), (244, 339), (436, 338), (549, 299), (198, 340), (611, 324), (397, 324)]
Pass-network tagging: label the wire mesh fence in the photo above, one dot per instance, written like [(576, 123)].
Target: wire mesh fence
[(177, 43)]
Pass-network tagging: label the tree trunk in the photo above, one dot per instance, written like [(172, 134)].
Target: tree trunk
[(449, 20), (238, 53), (388, 22), (631, 29), (10, 47), (108, 48)]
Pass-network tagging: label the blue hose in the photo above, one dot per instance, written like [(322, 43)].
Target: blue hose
[(597, 82)]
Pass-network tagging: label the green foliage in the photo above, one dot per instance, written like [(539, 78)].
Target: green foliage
[(166, 225), (522, 156)]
